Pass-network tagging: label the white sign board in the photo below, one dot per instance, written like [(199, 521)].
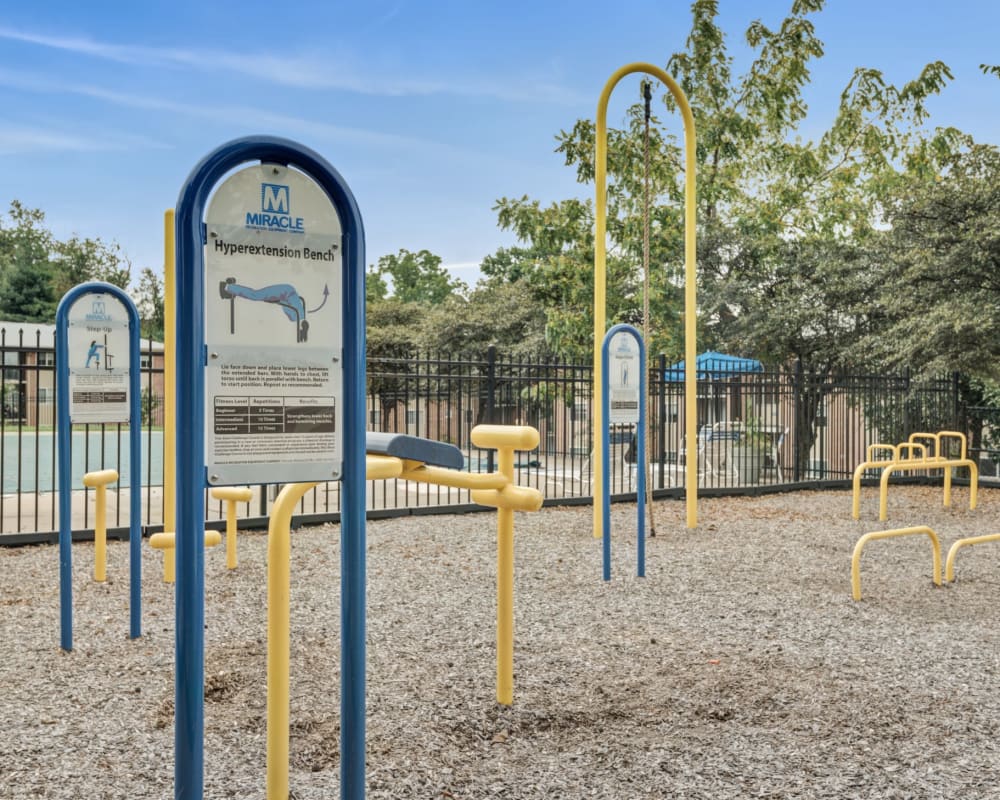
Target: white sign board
[(98, 359), (623, 379), (273, 332)]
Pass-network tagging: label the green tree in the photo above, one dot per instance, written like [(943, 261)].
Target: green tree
[(80, 260), (940, 288), (773, 209), (504, 315), (417, 277), (150, 305), (391, 331), (26, 268), (36, 270)]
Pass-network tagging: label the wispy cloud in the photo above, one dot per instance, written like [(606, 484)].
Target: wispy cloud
[(306, 71), (248, 117), (26, 140)]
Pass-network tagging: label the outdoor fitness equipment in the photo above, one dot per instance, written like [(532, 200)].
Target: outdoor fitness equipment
[(913, 455), (243, 207), (625, 403), (100, 480), (918, 530), (108, 395), (949, 568), (600, 280), (408, 458)]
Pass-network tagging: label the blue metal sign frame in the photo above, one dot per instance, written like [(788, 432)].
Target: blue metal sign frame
[(606, 457), (64, 436), (191, 478)]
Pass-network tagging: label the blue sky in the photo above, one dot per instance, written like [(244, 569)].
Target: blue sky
[(430, 110)]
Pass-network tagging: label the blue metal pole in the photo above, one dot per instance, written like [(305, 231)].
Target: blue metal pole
[(135, 474), (640, 545), (353, 567), (63, 435), (189, 633)]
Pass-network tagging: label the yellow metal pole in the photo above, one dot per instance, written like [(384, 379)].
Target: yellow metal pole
[(99, 481), (506, 499), (690, 285), (278, 643), (100, 534), (505, 588), (169, 376), (231, 557)]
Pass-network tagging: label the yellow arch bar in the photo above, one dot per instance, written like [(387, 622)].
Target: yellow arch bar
[(690, 284), (856, 558), (949, 567)]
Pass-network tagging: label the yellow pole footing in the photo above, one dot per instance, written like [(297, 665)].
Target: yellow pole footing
[(918, 530), (231, 495), (100, 480)]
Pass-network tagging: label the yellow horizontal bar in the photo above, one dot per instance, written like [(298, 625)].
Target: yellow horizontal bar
[(517, 437), (515, 498), (100, 478), (382, 467), (237, 494), (457, 479)]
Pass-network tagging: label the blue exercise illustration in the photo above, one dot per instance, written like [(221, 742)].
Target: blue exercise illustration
[(281, 294), (94, 354)]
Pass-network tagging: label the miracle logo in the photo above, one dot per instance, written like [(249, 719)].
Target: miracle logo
[(275, 211), (98, 312)]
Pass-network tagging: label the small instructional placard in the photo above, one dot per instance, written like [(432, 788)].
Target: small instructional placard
[(98, 359), (623, 380), (274, 377)]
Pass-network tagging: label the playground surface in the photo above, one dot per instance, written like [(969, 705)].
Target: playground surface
[(740, 667)]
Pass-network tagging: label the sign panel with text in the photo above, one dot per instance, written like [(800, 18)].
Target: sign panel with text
[(98, 359), (273, 332)]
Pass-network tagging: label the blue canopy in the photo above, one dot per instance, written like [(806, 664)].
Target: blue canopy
[(714, 366)]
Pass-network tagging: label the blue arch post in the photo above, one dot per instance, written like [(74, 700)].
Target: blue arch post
[(64, 435), (192, 480), (606, 457)]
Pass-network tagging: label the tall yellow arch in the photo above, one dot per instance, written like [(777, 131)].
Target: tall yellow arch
[(690, 286)]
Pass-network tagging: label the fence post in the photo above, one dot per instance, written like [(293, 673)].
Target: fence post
[(797, 403), (957, 421), (661, 455), (906, 404), (491, 389)]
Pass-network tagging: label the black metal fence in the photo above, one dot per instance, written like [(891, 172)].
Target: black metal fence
[(757, 429)]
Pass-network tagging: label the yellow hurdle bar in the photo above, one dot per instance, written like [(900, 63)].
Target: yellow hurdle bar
[(690, 284), (856, 557), (100, 480), (930, 463), (949, 567)]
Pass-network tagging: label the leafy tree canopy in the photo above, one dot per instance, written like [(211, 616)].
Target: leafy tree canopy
[(36, 270), (940, 288), (416, 278)]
